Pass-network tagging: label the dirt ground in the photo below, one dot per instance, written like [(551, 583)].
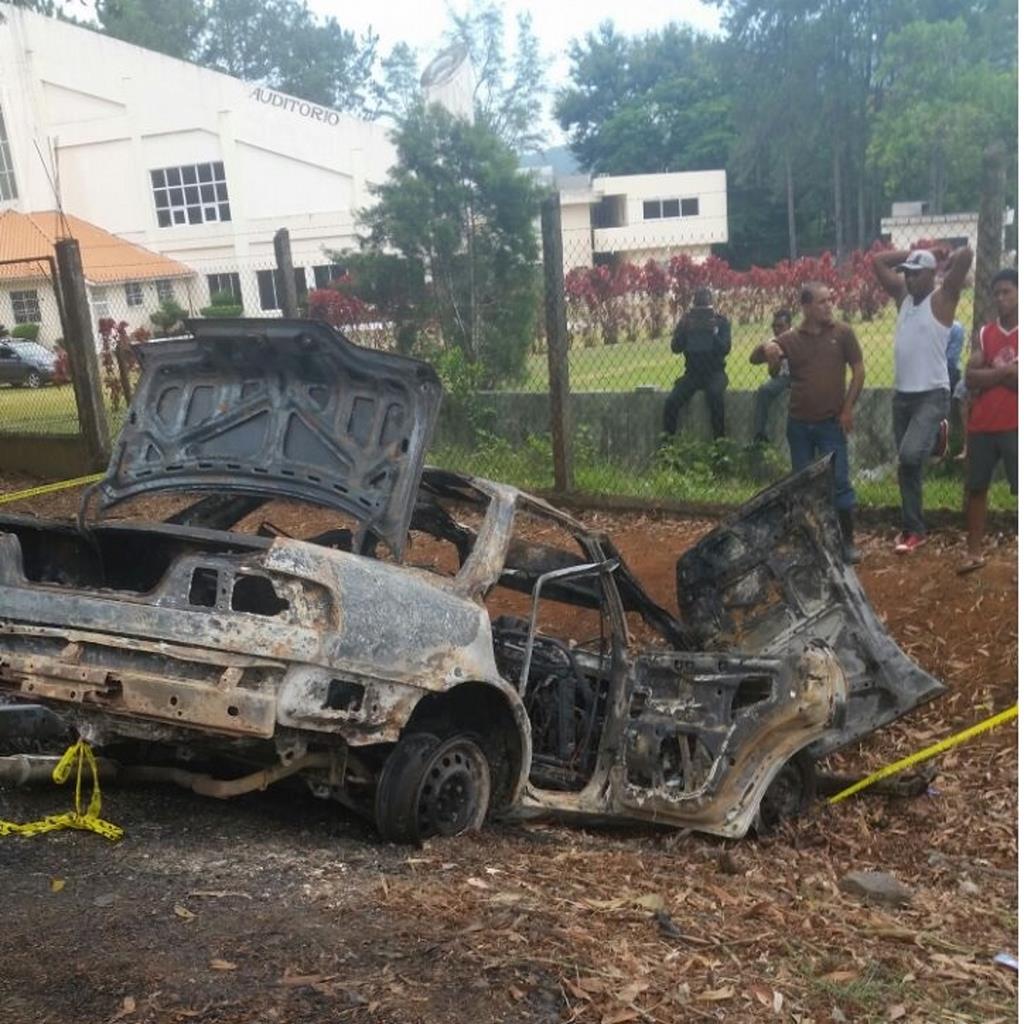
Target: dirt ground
[(280, 908)]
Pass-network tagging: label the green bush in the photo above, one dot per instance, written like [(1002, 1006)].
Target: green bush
[(167, 319), (27, 331), (222, 304)]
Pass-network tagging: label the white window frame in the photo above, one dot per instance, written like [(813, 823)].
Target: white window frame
[(165, 290), (661, 215), (190, 194), (226, 281), (23, 302), (100, 303), (133, 295)]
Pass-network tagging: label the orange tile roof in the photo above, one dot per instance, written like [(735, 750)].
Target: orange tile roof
[(106, 258)]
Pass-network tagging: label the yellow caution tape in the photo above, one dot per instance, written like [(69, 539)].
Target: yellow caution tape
[(90, 821), (923, 755), (33, 492)]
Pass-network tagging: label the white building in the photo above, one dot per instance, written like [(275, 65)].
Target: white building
[(198, 166), (637, 217), (911, 222)]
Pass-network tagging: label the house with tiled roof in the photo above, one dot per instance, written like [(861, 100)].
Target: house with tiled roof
[(119, 275)]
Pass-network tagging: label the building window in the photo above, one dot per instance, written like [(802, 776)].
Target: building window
[(26, 307), (326, 274), (661, 209), (192, 194), (165, 291), (8, 186), (266, 281), (100, 303), (229, 283), (133, 293)]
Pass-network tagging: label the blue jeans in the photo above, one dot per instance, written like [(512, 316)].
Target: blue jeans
[(810, 441), (767, 393), (915, 422)]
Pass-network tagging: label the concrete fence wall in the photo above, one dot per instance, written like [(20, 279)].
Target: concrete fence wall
[(626, 425)]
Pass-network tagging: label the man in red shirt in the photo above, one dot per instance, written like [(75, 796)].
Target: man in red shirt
[(992, 427)]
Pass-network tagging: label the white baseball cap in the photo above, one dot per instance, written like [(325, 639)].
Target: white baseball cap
[(919, 259)]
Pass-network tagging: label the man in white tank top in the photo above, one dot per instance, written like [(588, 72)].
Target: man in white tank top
[(920, 401)]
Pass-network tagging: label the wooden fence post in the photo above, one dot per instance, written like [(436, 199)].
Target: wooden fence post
[(558, 341), (991, 213), (80, 344), (287, 295)]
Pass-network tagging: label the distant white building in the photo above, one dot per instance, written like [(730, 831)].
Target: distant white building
[(198, 166), (638, 217), (911, 221)]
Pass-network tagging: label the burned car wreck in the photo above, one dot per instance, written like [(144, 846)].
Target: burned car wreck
[(448, 648)]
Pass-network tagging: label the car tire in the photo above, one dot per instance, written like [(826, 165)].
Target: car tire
[(788, 796), (430, 786), (33, 380)]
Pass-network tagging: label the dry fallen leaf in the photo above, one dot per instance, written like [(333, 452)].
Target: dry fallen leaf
[(839, 977), (897, 1012), (56, 884), (127, 1008), (477, 883), (620, 1016), (651, 901), (183, 912), (216, 964), (712, 995)]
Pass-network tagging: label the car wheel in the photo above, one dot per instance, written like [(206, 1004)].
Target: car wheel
[(789, 796), (430, 787), (33, 380)]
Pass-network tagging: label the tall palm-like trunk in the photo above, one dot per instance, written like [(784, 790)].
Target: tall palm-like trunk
[(790, 208)]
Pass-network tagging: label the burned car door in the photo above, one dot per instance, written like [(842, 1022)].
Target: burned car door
[(707, 733), (771, 581)]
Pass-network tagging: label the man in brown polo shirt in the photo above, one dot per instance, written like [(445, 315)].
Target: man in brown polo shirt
[(820, 402)]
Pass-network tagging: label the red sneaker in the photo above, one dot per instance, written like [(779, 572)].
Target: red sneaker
[(941, 440), (909, 542)]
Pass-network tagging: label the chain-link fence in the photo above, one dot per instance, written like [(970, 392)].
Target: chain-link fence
[(645, 426), (36, 396), (632, 430)]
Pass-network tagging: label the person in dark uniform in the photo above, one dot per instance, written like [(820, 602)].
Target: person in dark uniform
[(704, 339)]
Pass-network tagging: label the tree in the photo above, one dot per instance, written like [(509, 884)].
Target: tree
[(398, 90), (278, 43), (652, 103), (170, 28), (943, 104), (509, 93), (451, 242), (282, 44)]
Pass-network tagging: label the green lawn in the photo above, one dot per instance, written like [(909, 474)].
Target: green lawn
[(529, 467), (47, 410), (594, 366)]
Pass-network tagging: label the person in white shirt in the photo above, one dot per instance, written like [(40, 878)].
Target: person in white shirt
[(920, 402)]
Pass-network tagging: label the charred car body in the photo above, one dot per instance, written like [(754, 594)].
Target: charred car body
[(426, 695)]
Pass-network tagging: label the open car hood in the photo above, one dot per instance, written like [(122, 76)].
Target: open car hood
[(279, 408), (771, 579)]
